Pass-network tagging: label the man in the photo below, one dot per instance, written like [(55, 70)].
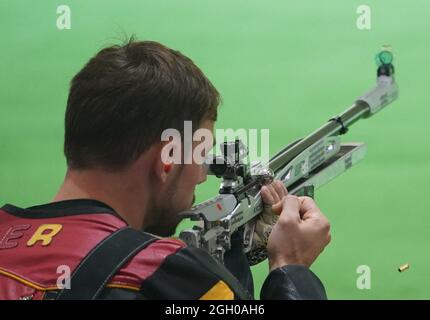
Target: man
[(118, 106)]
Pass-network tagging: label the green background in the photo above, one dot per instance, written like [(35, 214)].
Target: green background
[(283, 65)]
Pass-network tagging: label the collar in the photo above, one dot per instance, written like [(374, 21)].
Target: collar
[(61, 209)]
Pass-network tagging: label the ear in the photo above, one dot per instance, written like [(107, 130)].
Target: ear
[(163, 163)]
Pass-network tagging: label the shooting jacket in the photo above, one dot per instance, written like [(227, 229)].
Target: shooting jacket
[(41, 245)]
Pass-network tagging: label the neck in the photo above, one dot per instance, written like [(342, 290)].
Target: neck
[(122, 191)]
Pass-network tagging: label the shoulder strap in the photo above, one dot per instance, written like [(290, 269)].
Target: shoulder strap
[(102, 263)]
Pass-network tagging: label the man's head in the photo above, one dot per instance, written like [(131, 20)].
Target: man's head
[(118, 106)]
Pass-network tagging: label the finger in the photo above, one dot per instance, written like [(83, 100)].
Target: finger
[(266, 196), (291, 208), (307, 204), (309, 209), (280, 189), (274, 193), (277, 207), (283, 187)]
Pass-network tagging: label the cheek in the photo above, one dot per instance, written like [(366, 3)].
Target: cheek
[(192, 175)]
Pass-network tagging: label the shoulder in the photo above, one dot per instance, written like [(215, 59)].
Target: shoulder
[(170, 269), (146, 262)]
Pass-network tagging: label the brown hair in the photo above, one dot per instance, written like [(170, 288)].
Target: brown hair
[(125, 96)]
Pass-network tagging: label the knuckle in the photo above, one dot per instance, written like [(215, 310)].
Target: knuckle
[(285, 222), (307, 198), (328, 238), (291, 197), (326, 225), (323, 222)]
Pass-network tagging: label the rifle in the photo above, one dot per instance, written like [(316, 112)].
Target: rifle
[(303, 166)]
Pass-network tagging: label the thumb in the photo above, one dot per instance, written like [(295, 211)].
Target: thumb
[(291, 207)]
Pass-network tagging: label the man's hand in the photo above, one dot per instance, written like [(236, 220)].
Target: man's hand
[(291, 230), (271, 195), (300, 234)]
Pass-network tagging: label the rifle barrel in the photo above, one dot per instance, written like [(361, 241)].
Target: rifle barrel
[(333, 127)]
